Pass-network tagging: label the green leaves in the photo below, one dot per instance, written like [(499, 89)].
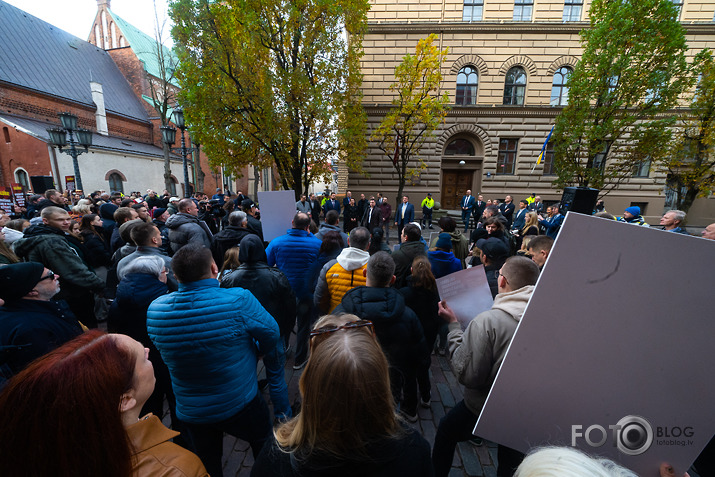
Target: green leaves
[(632, 73), (273, 82), (418, 109)]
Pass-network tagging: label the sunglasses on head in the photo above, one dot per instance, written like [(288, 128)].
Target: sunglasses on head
[(347, 326)]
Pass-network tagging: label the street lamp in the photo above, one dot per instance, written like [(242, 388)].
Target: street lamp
[(168, 135), (58, 138)]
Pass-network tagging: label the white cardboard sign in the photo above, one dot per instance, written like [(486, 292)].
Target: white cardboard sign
[(277, 212), (614, 353), (466, 292)]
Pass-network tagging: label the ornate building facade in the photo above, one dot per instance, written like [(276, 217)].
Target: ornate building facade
[(505, 75)]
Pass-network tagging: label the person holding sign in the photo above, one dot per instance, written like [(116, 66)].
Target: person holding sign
[(476, 355)]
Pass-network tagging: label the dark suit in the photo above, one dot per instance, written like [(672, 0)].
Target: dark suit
[(478, 210), (331, 205), (507, 210), (467, 204), (519, 219), (409, 217), (371, 221)]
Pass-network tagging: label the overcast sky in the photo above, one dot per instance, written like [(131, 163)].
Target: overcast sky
[(76, 16)]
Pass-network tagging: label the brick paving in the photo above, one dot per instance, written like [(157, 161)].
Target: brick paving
[(469, 460)]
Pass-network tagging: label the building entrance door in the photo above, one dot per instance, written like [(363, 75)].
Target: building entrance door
[(454, 185)]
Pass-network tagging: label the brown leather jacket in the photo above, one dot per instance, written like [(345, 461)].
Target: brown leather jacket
[(153, 454)]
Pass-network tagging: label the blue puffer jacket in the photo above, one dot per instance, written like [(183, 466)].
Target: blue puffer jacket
[(294, 254), (210, 338), (443, 263)]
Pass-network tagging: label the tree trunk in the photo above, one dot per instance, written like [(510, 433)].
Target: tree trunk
[(256, 181), (688, 199)]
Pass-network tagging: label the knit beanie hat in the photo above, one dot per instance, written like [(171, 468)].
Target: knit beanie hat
[(444, 241), (157, 212), (18, 279), (634, 210)]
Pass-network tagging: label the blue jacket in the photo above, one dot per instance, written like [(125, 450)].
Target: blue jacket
[(210, 339), (552, 225), (443, 263), (294, 254), (409, 214)]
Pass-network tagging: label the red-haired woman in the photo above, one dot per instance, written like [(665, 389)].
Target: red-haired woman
[(75, 412)]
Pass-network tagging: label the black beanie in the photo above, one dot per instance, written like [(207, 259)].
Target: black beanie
[(18, 279)]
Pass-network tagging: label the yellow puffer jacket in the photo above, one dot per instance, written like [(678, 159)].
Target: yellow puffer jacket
[(338, 276)]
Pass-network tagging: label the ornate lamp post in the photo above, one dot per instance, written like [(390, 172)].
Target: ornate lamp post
[(168, 135), (58, 138)]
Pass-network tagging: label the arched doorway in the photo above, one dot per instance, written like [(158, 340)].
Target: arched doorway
[(461, 169)]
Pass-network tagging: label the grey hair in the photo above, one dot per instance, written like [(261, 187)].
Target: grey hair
[(149, 264), (679, 215), (237, 217)]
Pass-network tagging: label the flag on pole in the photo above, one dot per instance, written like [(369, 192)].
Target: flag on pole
[(543, 148)]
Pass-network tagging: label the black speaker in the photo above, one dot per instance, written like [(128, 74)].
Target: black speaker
[(41, 183), (579, 199)]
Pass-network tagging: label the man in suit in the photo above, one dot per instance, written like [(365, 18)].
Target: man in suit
[(467, 204), (346, 200), (404, 214), (537, 206), (478, 210), (372, 217), (507, 209), (520, 216), (331, 204)]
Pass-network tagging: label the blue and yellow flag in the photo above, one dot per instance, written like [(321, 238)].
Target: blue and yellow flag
[(543, 148)]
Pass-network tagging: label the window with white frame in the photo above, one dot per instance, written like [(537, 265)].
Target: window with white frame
[(572, 10), (515, 86), (472, 11), (522, 10), (559, 87), (467, 81)]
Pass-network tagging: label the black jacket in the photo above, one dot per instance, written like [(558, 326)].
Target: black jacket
[(31, 328), (403, 260), (406, 454), (127, 315), (268, 284), (97, 249), (425, 305), (397, 327), (225, 239), (165, 242)]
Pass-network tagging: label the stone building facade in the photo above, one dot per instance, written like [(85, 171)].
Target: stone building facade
[(485, 145)]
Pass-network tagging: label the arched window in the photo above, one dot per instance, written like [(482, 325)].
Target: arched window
[(559, 88), (515, 86), (21, 178), (459, 147), (115, 183), (467, 81)]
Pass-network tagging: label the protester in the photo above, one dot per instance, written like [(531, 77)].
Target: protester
[(30, 323), (161, 215), (347, 363), (539, 248), (441, 258), (254, 224), (143, 280), (476, 355), (147, 238), (121, 216), (376, 242), (422, 297), (231, 236), (397, 327), (344, 273), (331, 225), (6, 254), (47, 243), (709, 232), (79, 406), (673, 220), (403, 257), (272, 289), (210, 339), (330, 248), (185, 227), (492, 253), (97, 247), (295, 253)]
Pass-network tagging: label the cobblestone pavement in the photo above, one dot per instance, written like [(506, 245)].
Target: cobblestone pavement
[(469, 460)]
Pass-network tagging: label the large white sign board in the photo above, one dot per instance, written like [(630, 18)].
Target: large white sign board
[(277, 212), (621, 324), (466, 292)]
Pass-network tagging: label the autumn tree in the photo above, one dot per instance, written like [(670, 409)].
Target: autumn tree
[(273, 82), (631, 74), (690, 164), (418, 109)]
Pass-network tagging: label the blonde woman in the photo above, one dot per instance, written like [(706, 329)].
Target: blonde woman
[(347, 425)]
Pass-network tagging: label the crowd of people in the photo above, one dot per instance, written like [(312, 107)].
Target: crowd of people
[(193, 297)]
